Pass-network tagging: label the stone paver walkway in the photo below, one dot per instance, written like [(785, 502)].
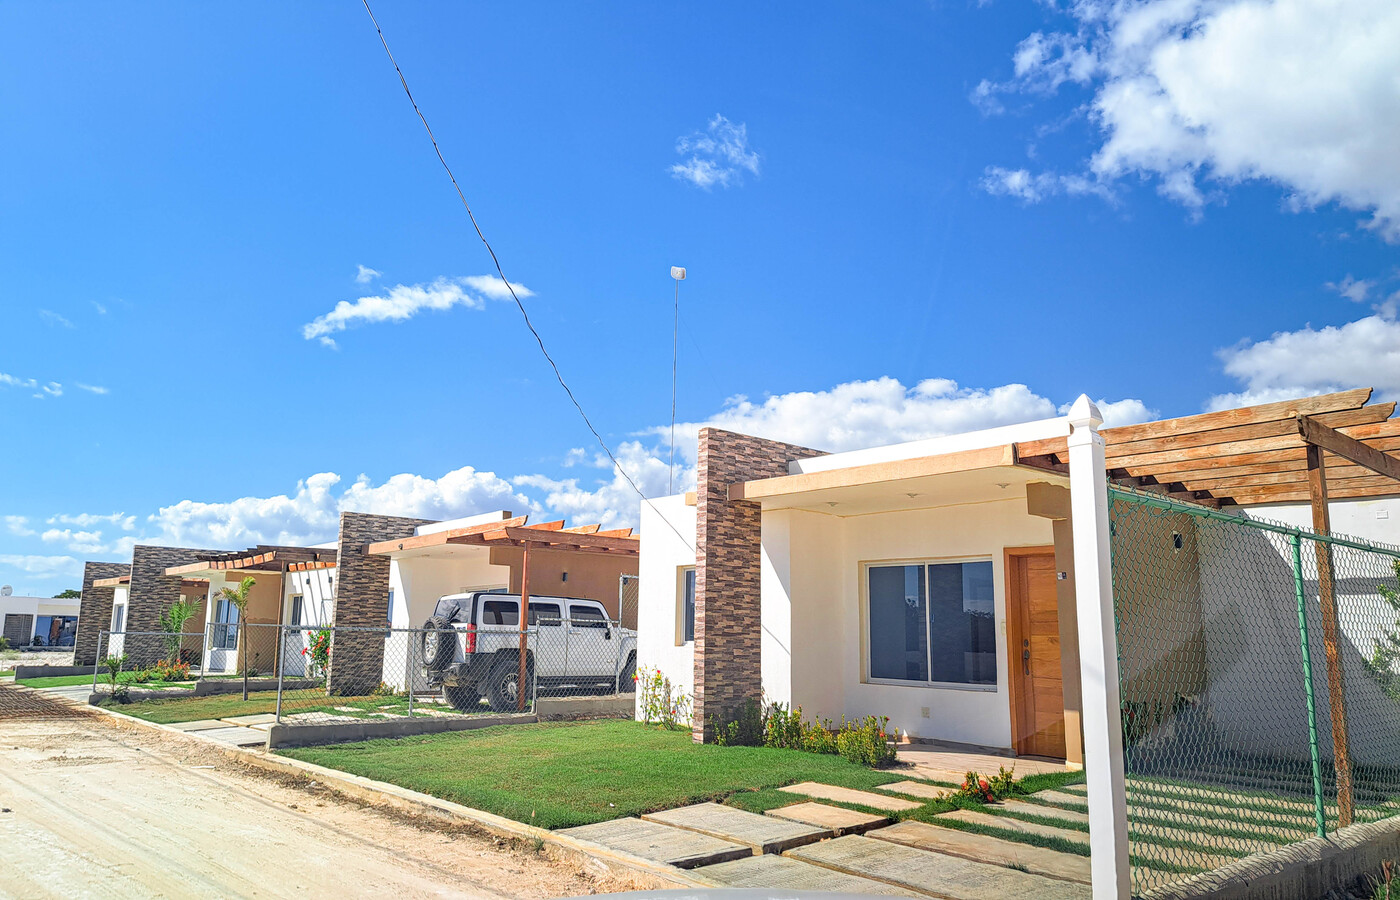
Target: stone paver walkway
[(850, 795), (948, 763), (836, 819), (984, 848), (784, 873), (661, 843), (765, 834)]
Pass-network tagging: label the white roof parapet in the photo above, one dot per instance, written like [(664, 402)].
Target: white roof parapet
[(951, 443)]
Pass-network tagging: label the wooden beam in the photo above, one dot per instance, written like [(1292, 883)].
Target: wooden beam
[(1246, 415), (583, 529), (616, 532), (439, 537), (1367, 415), (875, 473), (1348, 447), (1338, 492), (1253, 479), (1048, 462), (561, 538), (1331, 631)]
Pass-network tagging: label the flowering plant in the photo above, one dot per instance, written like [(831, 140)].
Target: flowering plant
[(659, 701), (318, 650)]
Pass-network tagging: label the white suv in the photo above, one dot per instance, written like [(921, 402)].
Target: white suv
[(471, 646)]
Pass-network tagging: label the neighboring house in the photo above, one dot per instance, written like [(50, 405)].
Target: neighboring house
[(129, 598), (37, 621), (935, 581)]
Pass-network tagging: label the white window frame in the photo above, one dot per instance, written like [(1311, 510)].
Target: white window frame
[(867, 678), (115, 626)]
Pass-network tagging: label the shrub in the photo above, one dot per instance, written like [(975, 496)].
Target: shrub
[(141, 676), (745, 729), (318, 651), (982, 789), (661, 702), (4, 643), (114, 663), (165, 670), (866, 742)]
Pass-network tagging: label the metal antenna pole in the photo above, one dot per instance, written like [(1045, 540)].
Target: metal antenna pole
[(675, 330)]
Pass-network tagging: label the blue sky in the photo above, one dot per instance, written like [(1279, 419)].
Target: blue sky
[(1008, 203)]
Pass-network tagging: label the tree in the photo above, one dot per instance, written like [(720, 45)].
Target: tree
[(239, 598), (172, 622), (69, 594)]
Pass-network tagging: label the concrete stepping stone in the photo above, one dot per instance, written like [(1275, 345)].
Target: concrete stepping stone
[(198, 725), (783, 873), (1022, 808), (1006, 823), (916, 789), (1061, 798), (985, 848), (764, 834), (850, 795), (937, 874), (255, 719), (661, 843), (836, 819), (233, 734)]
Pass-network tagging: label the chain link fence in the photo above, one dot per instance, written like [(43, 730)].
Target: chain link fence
[(629, 593), (323, 674), (1260, 680)]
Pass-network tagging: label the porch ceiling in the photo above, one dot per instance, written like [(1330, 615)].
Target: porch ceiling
[(914, 490)]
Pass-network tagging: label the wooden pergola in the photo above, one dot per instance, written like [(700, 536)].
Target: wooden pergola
[(262, 558), (1314, 449)]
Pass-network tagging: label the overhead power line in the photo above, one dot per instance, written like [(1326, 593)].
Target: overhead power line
[(501, 272)]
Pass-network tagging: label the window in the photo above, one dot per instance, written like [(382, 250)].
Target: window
[(225, 626), (687, 604), (389, 625), (294, 617), (119, 618), (932, 623), (587, 617), (545, 614), (500, 612)]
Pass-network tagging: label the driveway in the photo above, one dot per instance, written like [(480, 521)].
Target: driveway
[(93, 807)]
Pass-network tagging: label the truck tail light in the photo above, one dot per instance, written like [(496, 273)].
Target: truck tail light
[(471, 639)]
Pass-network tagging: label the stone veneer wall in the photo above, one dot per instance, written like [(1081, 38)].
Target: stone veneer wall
[(728, 556), (362, 600), (94, 610), (152, 593)]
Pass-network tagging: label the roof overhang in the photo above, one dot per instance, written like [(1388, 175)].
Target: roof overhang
[(966, 476), (512, 532), (258, 561), (124, 580)]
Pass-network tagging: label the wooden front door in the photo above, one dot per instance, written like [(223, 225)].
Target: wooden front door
[(1033, 635)]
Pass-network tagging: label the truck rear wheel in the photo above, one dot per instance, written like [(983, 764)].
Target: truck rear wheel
[(626, 681), (463, 697), (503, 685)]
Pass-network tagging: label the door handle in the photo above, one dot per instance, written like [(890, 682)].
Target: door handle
[(1026, 657)]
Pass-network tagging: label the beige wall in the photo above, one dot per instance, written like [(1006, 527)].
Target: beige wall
[(592, 576)]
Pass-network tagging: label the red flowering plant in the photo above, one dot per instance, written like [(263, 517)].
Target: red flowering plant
[(988, 790), (318, 650)]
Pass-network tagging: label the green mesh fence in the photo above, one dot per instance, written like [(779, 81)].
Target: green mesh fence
[(1260, 679)]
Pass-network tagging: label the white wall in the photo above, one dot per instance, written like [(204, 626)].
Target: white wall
[(813, 651), (116, 644), (663, 554), (36, 607), (1371, 520), (317, 590), (417, 583)]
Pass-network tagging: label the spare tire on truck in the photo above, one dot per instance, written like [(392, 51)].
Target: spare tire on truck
[(436, 644)]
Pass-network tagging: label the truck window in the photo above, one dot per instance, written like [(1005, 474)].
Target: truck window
[(545, 613), (587, 616), (500, 612)]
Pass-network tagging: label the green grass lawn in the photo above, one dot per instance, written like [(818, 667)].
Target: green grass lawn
[(71, 680), (220, 706)]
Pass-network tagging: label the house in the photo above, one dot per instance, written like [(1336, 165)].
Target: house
[(37, 621), (129, 598), (940, 582)]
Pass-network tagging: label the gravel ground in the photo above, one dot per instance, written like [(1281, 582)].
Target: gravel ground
[(11, 658), (94, 807)]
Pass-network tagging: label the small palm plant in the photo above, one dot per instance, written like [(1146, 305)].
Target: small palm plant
[(239, 598), (114, 663), (172, 622)]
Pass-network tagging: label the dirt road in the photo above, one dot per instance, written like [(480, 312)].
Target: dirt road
[(93, 807)]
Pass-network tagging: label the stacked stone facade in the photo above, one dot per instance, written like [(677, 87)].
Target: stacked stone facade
[(152, 593), (728, 553), (94, 610), (362, 601)]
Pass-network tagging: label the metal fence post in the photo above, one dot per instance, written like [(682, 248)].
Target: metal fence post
[(1296, 545), (281, 667), (412, 670), (98, 661)]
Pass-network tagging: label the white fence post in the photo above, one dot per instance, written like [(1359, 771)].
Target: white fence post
[(1098, 656)]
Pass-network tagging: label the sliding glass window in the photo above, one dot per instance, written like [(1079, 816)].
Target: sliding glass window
[(932, 623)]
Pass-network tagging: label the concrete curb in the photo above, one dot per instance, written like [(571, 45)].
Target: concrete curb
[(645, 874), (206, 687), (1309, 868), (349, 732), (612, 706), (22, 672)]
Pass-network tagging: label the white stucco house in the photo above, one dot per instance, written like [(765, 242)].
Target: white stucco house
[(37, 621)]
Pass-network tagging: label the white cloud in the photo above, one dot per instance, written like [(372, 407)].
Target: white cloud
[(18, 525), (77, 541), (719, 155), (611, 502), (101, 309), (1364, 353), (41, 389), (1033, 188), (87, 520), (1300, 93), (1354, 289), (312, 514), (92, 388), (404, 301), (365, 274), (53, 318), (51, 389), (16, 381), (42, 566)]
